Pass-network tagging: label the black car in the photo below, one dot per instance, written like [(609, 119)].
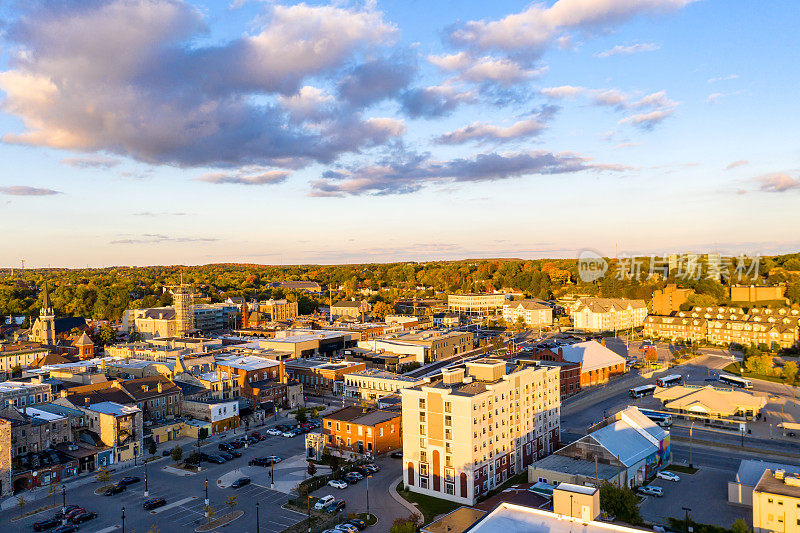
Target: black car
[(336, 506), (215, 459), (224, 447), (259, 461), (360, 524), (68, 509), (129, 480), (351, 479), (234, 453), (83, 517), (396, 455), (69, 528), (241, 482), (154, 503), (225, 455), (361, 470), (236, 444), (114, 489), (203, 456), (46, 524), (166, 453)]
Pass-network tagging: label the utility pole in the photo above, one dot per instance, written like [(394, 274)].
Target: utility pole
[(64, 504), (690, 444), (686, 512), (146, 492), (368, 496), (257, 524), (123, 520), (206, 491), (308, 505)]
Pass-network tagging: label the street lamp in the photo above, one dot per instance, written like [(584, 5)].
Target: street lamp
[(691, 428), (146, 492), (368, 496), (686, 512), (206, 491), (272, 474), (64, 504), (309, 513), (742, 430), (257, 524), (123, 520)]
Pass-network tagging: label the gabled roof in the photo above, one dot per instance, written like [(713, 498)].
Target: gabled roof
[(591, 355), (83, 340), (67, 323), (144, 388), (625, 442)]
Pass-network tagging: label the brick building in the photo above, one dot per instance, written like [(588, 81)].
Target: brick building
[(358, 430)]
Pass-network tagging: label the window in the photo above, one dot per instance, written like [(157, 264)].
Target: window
[(422, 429), (449, 489), (448, 434), (422, 403), (421, 443), (423, 456), (448, 407), (448, 420), (422, 416), (423, 469), (423, 482)]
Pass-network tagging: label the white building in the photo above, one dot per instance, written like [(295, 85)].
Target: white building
[(532, 312), (608, 314), (374, 384), (476, 304)]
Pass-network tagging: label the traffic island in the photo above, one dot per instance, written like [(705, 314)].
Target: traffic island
[(34, 511), (222, 521), (101, 490)]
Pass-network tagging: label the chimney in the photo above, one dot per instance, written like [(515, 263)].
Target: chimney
[(560, 353)]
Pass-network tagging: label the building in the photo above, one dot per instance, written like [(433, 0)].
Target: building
[(626, 448), (150, 323), (532, 313), (755, 294), (388, 361), (676, 328), (740, 490), (426, 346), (278, 309), (669, 299), (710, 403), (306, 286), (362, 431), (20, 355), (264, 381), (6, 487), (48, 329), (184, 316), (776, 502), (319, 376), (457, 521), (347, 308), (35, 430), (311, 343), (157, 396), (476, 304), (598, 363), (23, 393), (375, 384), (113, 425), (472, 427), (221, 414), (569, 373), (209, 318), (608, 314)]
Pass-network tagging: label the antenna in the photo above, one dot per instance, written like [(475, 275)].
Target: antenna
[(23, 264)]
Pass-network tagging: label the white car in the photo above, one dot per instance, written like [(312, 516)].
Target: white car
[(669, 476), (274, 458), (289, 434), (324, 502), (274, 432), (651, 491), (337, 484)]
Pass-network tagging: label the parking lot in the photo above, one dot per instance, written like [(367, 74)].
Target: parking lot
[(710, 508)]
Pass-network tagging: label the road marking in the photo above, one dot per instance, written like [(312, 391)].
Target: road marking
[(108, 529), (173, 504)]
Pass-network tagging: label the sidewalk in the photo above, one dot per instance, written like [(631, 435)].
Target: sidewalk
[(402, 501), (187, 443)]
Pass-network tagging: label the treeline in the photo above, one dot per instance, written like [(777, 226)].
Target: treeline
[(106, 293)]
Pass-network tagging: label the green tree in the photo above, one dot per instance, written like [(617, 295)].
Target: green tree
[(177, 453), (740, 526), (103, 475), (620, 502), (302, 415), (107, 335), (404, 525), (790, 371), (312, 468), (21, 501), (153, 447), (232, 502)]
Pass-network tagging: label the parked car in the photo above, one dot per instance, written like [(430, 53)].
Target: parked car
[(651, 491), (129, 480), (372, 468), (203, 456), (215, 459), (259, 461), (289, 434), (324, 502), (154, 503), (75, 512), (234, 453), (360, 470), (61, 512), (274, 458), (83, 517), (241, 482), (351, 478), (274, 432), (226, 456), (236, 444), (669, 476), (396, 455), (166, 453), (224, 447), (69, 528), (46, 524), (360, 524), (336, 506), (358, 475), (114, 489), (337, 484), (346, 528)]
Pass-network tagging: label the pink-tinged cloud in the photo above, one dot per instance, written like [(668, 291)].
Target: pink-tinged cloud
[(24, 190), (628, 50), (777, 182), (739, 163)]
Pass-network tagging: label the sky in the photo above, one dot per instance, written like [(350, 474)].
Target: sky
[(140, 132)]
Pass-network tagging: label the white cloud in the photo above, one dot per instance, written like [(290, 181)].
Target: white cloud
[(245, 176), (483, 69), (739, 163), (723, 78), (777, 182), (648, 120), (628, 50), (563, 91), (482, 131)]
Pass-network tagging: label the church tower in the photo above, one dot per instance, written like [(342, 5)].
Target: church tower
[(46, 333)]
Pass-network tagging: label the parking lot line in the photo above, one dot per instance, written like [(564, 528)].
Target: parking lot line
[(173, 504)]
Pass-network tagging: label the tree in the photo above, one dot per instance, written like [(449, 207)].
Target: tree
[(209, 511), (177, 453), (404, 525), (21, 501), (381, 309), (153, 447), (302, 415), (740, 526), (790, 371), (134, 336), (107, 335), (620, 502), (103, 475), (232, 502), (312, 469)]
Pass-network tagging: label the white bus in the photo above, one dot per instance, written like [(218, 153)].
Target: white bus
[(644, 390), (662, 419), (669, 381), (736, 381)]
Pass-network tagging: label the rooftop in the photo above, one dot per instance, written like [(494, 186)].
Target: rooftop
[(750, 471), (576, 467), (779, 482), (591, 355), (356, 415), (455, 522), (383, 374), (511, 518), (115, 409), (248, 363)]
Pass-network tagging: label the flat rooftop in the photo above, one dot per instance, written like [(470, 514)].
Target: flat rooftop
[(788, 486)]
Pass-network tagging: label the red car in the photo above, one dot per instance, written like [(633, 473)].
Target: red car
[(75, 512)]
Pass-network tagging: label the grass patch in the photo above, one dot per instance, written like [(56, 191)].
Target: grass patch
[(682, 469), (101, 490), (33, 512), (370, 519), (733, 368), (222, 521), (429, 506)]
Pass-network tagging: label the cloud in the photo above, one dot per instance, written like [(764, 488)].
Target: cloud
[(309, 103), (245, 177), (411, 172), (713, 97), (777, 182), (484, 69), (91, 161), (563, 91), (738, 163), (376, 80), (24, 190), (434, 101), (158, 214), (526, 35), (157, 238), (628, 50), (480, 131), (135, 78), (621, 100), (723, 78), (648, 121), (627, 145)]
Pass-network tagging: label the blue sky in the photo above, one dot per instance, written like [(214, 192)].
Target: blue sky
[(160, 132)]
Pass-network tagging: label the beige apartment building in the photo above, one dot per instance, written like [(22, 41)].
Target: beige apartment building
[(776, 502), (472, 427), (676, 327), (279, 309), (532, 313), (426, 346), (608, 314), (373, 384), (669, 299), (757, 294), (476, 304)]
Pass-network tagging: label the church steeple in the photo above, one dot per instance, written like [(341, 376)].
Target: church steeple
[(47, 307)]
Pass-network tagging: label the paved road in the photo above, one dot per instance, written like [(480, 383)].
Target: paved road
[(187, 493)]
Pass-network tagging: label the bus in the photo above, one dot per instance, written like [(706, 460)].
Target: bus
[(644, 390), (662, 419), (669, 381), (736, 381)]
